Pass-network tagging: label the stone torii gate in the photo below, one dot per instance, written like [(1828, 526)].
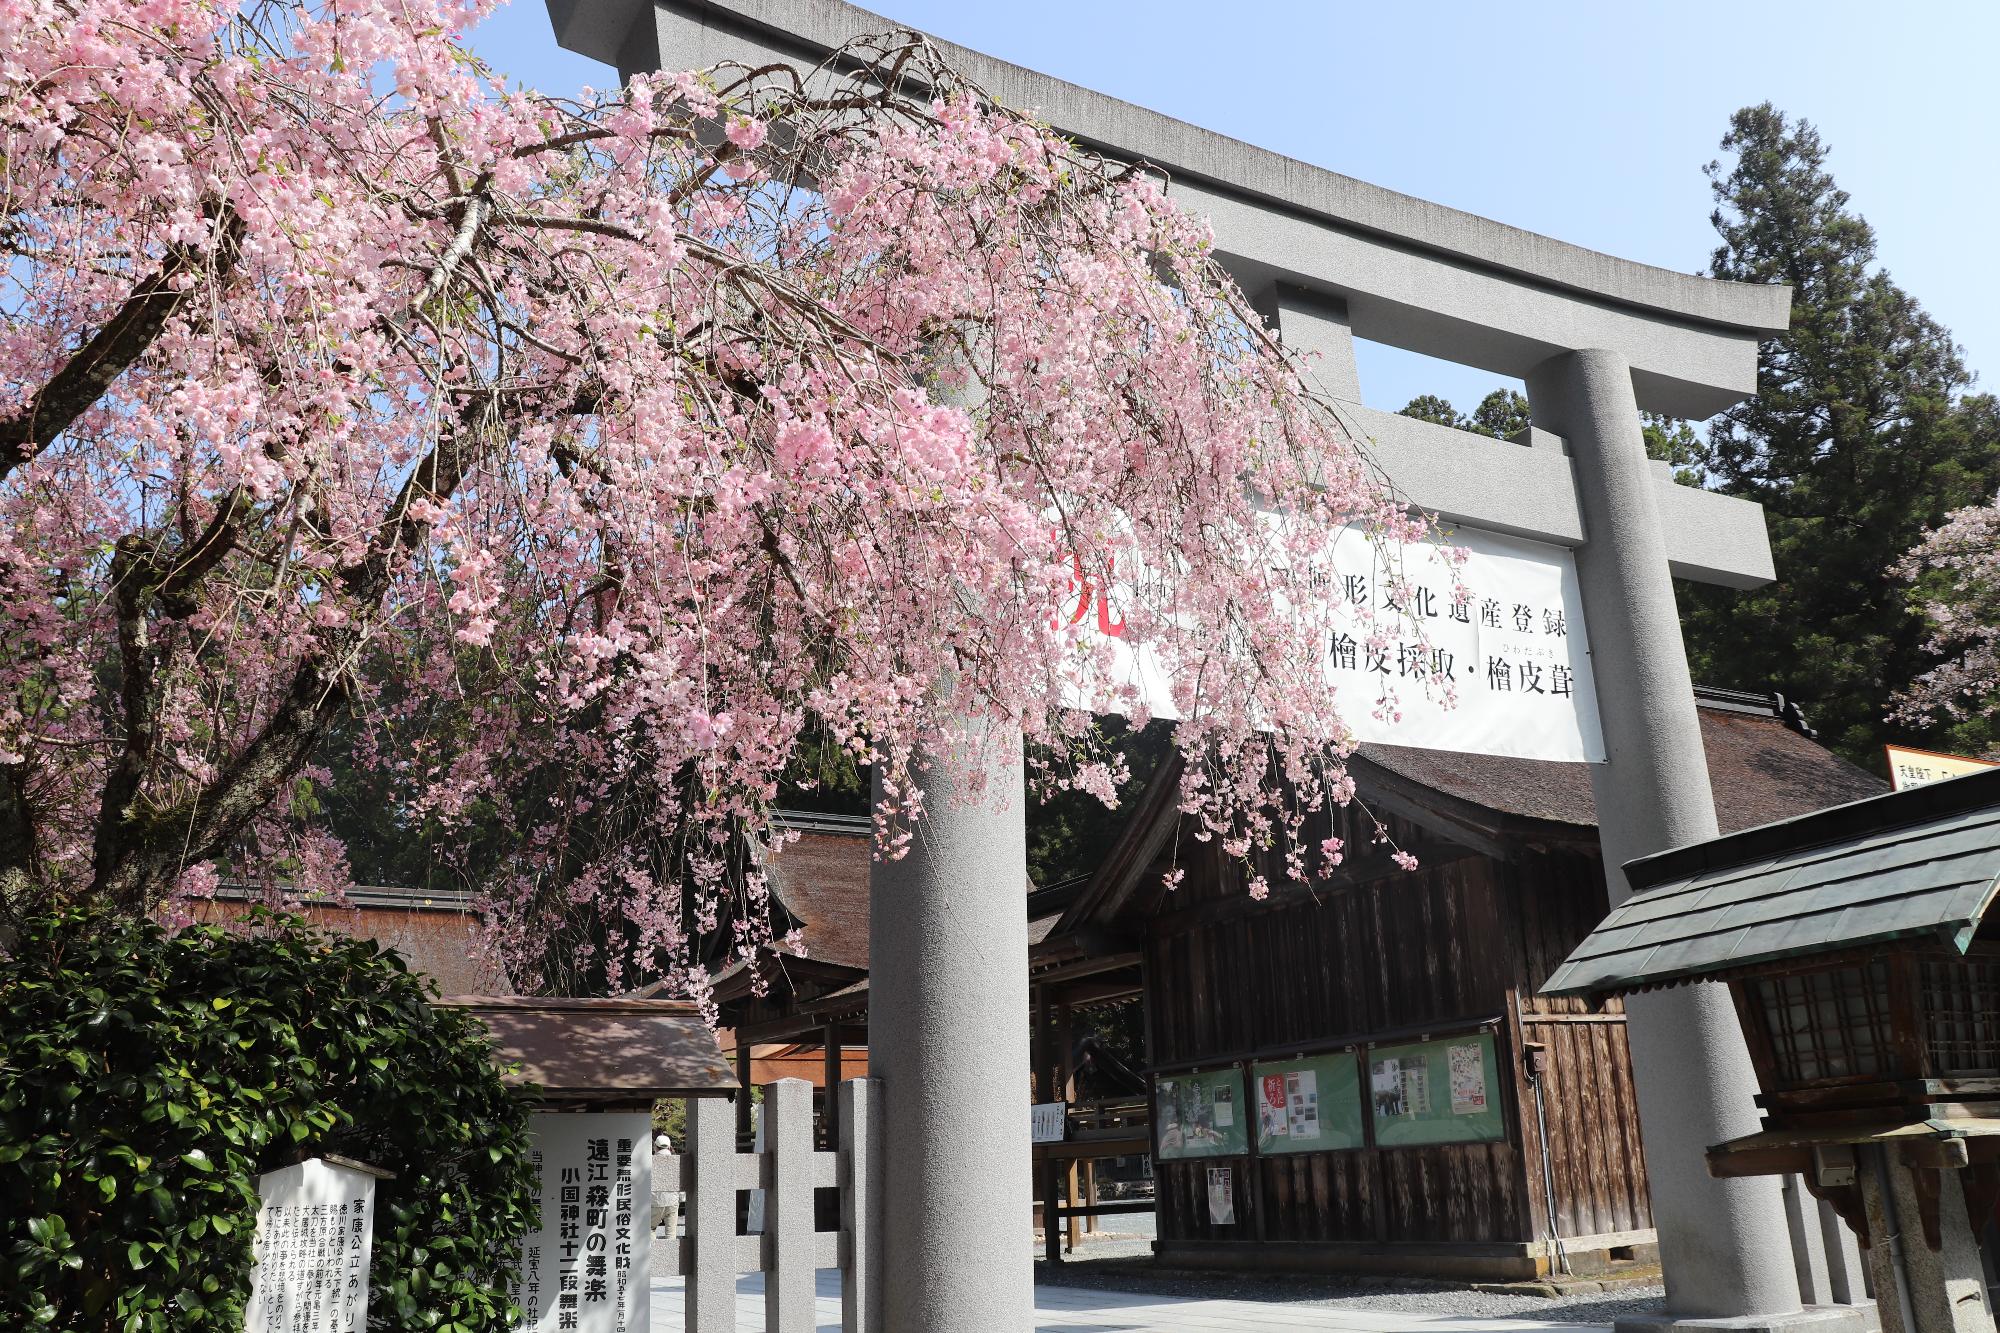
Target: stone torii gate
[(1326, 258)]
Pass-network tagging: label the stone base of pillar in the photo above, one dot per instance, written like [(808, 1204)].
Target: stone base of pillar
[(1812, 1319)]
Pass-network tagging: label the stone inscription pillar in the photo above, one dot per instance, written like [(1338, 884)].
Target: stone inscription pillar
[(948, 1038), (1723, 1242)]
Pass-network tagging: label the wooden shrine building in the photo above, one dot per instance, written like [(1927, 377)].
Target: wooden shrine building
[(1355, 1074)]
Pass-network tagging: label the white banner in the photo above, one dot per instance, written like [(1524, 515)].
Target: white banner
[(315, 1228), (1515, 649), (585, 1268)]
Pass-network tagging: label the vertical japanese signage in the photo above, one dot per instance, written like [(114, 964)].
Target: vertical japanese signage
[(315, 1227), (1047, 1121), (1221, 1196), (584, 1267)]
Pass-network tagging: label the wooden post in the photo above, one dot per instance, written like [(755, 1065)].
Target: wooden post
[(1066, 1093), (788, 1207), (1051, 1228), (861, 1205), (709, 1255), (830, 1078), (742, 1091)]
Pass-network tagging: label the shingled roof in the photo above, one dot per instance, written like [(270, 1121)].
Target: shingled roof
[(820, 877), (1918, 864), (1761, 766), (437, 933)]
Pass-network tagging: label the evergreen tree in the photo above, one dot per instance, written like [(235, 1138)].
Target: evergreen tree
[(1430, 407), (1501, 414), (1862, 435)]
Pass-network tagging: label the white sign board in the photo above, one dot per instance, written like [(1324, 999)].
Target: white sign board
[(1514, 649), (1909, 767), (315, 1226), (1046, 1121), (585, 1267)]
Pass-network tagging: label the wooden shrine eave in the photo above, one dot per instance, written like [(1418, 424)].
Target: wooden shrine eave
[(783, 974), (601, 1050)]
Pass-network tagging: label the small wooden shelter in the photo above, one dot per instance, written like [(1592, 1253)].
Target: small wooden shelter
[(1863, 955), (602, 1054)]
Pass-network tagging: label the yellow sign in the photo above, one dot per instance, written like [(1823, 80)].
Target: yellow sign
[(1913, 768)]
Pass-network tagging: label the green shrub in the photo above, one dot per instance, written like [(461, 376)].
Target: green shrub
[(147, 1078)]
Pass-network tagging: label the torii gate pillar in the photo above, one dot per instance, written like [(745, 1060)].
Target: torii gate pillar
[(948, 1037), (1723, 1243)]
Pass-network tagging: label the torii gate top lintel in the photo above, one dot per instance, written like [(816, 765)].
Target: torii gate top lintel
[(1328, 257)]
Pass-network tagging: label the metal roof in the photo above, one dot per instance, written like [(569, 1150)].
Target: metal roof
[(1919, 863)]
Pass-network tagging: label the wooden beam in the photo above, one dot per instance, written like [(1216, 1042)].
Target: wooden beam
[(1087, 967), (1082, 997)]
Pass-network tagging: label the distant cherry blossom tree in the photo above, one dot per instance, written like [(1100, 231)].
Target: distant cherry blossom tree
[(572, 461), (1955, 575)]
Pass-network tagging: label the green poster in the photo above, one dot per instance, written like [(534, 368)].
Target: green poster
[(1201, 1115), (1445, 1091), (1308, 1105)]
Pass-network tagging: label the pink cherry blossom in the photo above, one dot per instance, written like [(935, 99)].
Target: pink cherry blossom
[(1955, 571), (561, 469)]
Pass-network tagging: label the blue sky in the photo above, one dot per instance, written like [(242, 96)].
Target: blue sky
[(1588, 121)]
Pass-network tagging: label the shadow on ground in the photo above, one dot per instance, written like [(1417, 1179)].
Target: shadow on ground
[(1141, 1275)]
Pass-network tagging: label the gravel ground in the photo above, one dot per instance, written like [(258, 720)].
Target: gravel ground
[(1127, 1265)]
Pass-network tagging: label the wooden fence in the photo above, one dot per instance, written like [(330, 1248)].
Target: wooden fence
[(711, 1254)]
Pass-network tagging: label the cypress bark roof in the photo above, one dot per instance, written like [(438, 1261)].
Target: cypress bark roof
[(1760, 765)]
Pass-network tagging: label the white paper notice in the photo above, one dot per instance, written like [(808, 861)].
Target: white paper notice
[(1416, 1088), (315, 1229), (1225, 1108), (1468, 1079), (1046, 1121), (1385, 1085), (585, 1268), (1303, 1090), (1221, 1196)]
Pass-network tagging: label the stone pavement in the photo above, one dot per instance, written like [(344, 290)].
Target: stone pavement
[(1074, 1310)]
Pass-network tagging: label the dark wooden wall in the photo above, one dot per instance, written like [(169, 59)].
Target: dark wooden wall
[(1552, 900), (1464, 938)]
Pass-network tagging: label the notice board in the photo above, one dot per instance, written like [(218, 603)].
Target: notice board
[(1202, 1114), (585, 1266), (1312, 1104), (1444, 1091)]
